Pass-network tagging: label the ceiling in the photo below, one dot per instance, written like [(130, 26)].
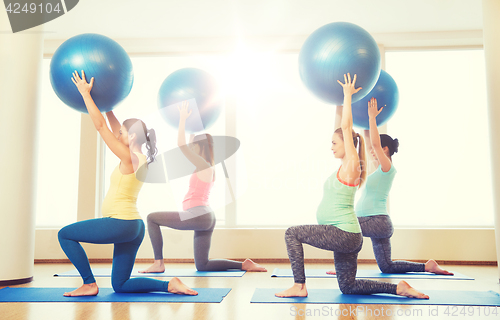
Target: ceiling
[(259, 18)]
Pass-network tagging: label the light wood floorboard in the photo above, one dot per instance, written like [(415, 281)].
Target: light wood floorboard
[(237, 304)]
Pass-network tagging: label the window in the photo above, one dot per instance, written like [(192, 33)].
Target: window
[(443, 163), (58, 158), (149, 74), (285, 134)]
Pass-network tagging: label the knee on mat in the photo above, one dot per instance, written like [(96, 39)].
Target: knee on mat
[(345, 288), (202, 266), (386, 269), (117, 286)]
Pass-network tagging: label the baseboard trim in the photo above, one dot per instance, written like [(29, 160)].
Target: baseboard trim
[(15, 281), (360, 261)]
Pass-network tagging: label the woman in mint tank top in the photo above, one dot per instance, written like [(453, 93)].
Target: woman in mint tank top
[(371, 208), (197, 214), (338, 229)]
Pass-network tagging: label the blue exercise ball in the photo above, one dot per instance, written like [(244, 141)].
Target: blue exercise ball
[(336, 49), (100, 57), (387, 94), (201, 90)]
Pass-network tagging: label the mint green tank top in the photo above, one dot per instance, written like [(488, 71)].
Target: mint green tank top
[(373, 200), (337, 206)]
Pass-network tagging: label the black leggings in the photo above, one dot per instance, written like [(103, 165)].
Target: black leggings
[(379, 228), (345, 247), (202, 221)]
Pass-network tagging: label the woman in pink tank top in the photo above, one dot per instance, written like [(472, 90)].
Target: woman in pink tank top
[(197, 214)]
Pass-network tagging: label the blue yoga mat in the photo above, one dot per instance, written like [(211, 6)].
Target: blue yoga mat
[(205, 295), (436, 297), (321, 273), (106, 272)]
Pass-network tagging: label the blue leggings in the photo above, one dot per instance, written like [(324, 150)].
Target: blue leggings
[(126, 235)]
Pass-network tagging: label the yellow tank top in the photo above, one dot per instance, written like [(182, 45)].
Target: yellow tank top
[(120, 201)]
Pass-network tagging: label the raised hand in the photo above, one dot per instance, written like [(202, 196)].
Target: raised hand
[(348, 85), (184, 111), (81, 83), (373, 112)]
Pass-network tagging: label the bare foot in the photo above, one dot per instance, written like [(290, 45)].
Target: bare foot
[(157, 267), (249, 265), (433, 266), (176, 286), (404, 289), (332, 272), (298, 290), (90, 289)]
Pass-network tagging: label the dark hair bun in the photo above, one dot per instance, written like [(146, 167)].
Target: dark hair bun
[(395, 145)]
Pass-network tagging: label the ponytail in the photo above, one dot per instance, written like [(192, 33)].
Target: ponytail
[(144, 136), (361, 152), (151, 145), (206, 143), (387, 141), (362, 159)]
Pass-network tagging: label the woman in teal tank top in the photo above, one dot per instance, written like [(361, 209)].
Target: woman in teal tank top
[(338, 229), (371, 208)]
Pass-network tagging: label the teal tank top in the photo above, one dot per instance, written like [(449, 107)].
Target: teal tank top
[(337, 206), (373, 200)]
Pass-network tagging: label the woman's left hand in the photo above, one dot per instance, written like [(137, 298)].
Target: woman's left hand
[(373, 112), (184, 111), (81, 83)]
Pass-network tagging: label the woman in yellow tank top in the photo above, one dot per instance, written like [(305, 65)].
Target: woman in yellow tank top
[(121, 223)]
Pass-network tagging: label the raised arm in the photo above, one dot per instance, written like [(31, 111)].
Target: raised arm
[(113, 123), (338, 117), (369, 148), (193, 157), (118, 148), (371, 159), (350, 171), (382, 158)]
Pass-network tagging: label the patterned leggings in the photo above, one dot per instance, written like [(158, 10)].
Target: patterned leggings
[(379, 228), (345, 247)]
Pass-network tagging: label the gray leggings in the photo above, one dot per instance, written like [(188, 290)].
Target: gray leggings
[(379, 228), (199, 219), (345, 247)]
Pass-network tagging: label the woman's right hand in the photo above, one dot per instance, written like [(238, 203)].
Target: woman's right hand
[(184, 111), (348, 85), (373, 112)]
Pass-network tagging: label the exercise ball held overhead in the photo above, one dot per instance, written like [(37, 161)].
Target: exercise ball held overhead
[(387, 94), (100, 57), (336, 49), (200, 89)]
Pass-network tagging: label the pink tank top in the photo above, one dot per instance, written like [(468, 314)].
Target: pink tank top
[(197, 194)]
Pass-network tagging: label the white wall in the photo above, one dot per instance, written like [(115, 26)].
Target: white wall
[(413, 244), (417, 244)]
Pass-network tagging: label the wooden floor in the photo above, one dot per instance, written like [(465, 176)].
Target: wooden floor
[(237, 304)]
